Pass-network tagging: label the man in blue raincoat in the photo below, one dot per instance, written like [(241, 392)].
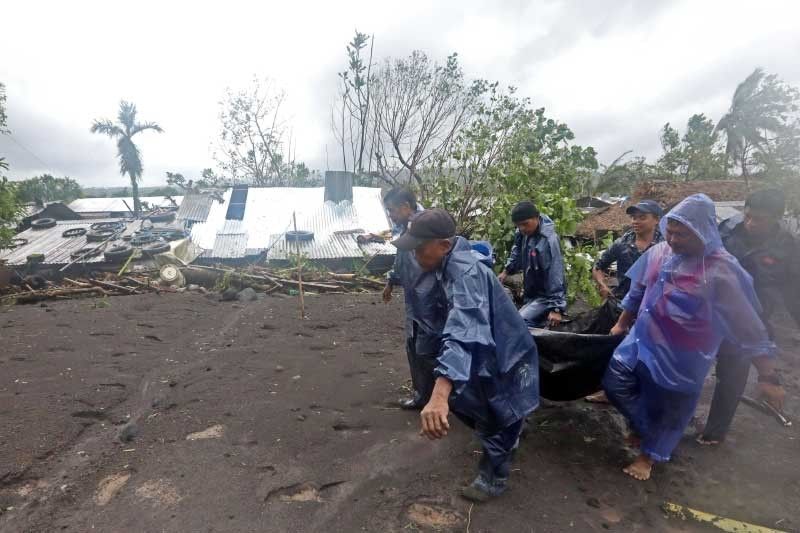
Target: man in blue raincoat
[(488, 367), (687, 294), (537, 254), (421, 344)]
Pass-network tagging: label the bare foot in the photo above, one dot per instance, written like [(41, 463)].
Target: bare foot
[(597, 397), (633, 441), (640, 468)]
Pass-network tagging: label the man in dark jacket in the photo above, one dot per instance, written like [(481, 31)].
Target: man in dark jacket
[(645, 216), (401, 205), (488, 367), (769, 253), (537, 254)]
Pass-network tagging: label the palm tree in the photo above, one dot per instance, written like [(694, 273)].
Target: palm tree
[(130, 159), (756, 109)]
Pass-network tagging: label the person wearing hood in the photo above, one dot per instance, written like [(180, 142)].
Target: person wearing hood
[(401, 205), (771, 255), (487, 369), (687, 296), (537, 254)]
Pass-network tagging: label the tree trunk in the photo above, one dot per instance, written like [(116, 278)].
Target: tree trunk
[(137, 205)]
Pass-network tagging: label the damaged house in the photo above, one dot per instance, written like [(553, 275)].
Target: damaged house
[(248, 224)]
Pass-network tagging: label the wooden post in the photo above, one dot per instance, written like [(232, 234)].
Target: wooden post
[(299, 269)]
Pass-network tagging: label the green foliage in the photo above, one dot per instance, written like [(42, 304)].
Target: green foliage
[(696, 155), (761, 122), (621, 176), (10, 211), (511, 152), (46, 188), (579, 262)]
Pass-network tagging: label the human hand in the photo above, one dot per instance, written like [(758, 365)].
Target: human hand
[(604, 291), (618, 330), (554, 319), (387, 293), (434, 418), (773, 394)]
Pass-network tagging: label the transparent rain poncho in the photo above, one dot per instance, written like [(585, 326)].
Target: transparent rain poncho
[(688, 305)]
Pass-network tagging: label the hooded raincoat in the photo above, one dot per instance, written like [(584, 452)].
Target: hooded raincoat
[(685, 306), (486, 352), (539, 258), (422, 306)]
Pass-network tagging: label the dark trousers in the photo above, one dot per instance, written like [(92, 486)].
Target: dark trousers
[(421, 367), (498, 445), (732, 373)]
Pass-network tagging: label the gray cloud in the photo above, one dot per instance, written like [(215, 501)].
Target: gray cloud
[(614, 70)]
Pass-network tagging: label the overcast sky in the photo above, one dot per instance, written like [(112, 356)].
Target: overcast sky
[(614, 70)]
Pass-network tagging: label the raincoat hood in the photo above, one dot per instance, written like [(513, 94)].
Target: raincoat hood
[(466, 253), (546, 226), (697, 212)]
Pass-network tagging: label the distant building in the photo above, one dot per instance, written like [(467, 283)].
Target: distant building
[(119, 207), (251, 223)]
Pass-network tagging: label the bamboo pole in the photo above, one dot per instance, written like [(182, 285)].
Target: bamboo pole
[(299, 269)]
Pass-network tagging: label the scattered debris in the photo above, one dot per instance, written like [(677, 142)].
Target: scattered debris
[(159, 492), (214, 432), (109, 487), (433, 516)]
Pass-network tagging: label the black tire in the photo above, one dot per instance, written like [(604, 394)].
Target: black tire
[(168, 216), (114, 226), (43, 223), (300, 236), (141, 239), (16, 242), (90, 251), (155, 248), (74, 232), (118, 253), (98, 235)]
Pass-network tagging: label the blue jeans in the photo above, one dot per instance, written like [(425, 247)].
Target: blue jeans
[(535, 312)]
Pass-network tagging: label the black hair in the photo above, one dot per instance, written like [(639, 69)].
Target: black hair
[(398, 196), (523, 211), (769, 201)]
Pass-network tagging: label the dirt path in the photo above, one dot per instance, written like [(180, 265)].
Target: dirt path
[(180, 413)]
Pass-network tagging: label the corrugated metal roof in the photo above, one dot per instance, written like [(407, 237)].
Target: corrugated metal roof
[(117, 205), (56, 249), (268, 216), (195, 207), (726, 210)]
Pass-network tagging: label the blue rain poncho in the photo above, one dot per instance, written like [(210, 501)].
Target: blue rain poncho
[(418, 295), (688, 305), (487, 352), (539, 259)]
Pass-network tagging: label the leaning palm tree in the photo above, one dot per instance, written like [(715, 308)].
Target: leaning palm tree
[(130, 159), (758, 108)]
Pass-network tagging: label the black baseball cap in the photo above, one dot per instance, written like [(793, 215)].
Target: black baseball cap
[(426, 226), (646, 206)]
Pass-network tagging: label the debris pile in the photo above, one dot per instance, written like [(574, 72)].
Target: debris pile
[(32, 289), (288, 280), (229, 282)]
